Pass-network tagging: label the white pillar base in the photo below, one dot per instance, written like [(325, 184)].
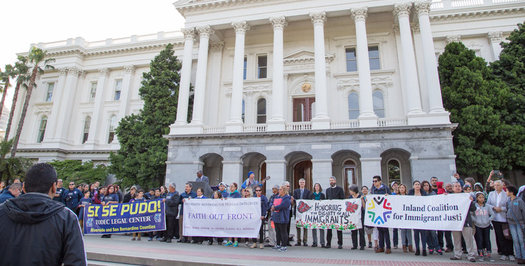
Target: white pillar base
[(370, 121), (370, 167), (276, 169), (232, 172), (320, 123), (321, 172), (276, 125), (186, 129), (234, 127)]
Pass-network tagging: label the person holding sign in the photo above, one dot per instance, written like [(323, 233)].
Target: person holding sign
[(379, 188), (138, 198), (406, 234), (467, 232), (233, 194), (318, 195), (280, 216), (354, 194), (187, 194), (418, 233), (301, 193), (334, 192), (172, 201), (110, 197)]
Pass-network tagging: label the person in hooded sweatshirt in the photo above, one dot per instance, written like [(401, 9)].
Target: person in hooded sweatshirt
[(38, 230), (280, 215), (482, 217)]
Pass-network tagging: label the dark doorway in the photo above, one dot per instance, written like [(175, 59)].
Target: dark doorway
[(303, 169), (349, 175), (303, 109)]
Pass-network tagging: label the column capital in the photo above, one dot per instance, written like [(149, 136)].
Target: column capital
[(205, 31), (422, 7), (103, 71), (318, 17), (453, 38), (279, 22), (495, 36), (189, 33), (415, 27), (240, 27), (216, 46), (359, 14), (62, 71), (402, 9), (75, 71), (129, 68)]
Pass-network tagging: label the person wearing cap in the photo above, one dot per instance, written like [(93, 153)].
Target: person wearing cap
[(130, 195), (482, 218), (202, 178), (222, 190), (250, 182)]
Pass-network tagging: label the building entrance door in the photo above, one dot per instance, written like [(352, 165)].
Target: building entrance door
[(302, 169), (303, 109)]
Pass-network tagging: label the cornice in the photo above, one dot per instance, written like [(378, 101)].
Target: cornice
[(184, 6), (29, 150), (453, 14)]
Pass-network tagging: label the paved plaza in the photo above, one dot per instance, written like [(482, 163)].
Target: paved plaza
[(120, 250)]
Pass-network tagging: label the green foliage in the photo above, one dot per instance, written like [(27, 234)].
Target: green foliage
[(477, 100), (74, 170), (143, 150), (12, 168)]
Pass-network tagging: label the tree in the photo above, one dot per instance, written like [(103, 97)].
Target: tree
[(79, 172), (12, 167), (6, 76), (511, 69), (474, 98), (36, 57), (143, 149), (21, 73)]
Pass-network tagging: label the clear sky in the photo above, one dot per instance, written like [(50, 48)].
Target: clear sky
[(32, 21)]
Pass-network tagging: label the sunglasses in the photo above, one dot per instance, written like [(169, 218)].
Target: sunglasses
[(375, 181), (258, 190)]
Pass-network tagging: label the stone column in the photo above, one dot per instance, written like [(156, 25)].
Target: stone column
[(126, 89), (495, 39), (232, 172), (200, 83), (66, 105), (402, 12), (235, 122), (321, 172), (98, 109), (370, 167), (321, 119), (367, 117), (276, 169), (58, 93), (429, 56), (185, 77), (276, 123)]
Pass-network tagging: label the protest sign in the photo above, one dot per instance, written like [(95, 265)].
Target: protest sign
[(329, 214), (125, 217), (439, 212), (222, 218)]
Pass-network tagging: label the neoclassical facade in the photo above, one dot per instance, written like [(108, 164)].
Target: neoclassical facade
[(287, 89)]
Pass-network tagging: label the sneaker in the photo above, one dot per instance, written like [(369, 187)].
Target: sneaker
[(362, 248), (512, 258), (430, 251), (472, 260), (283, 249), (277, 247), (439, 251), (229, 243), (455, 258), (314, 245), (235, 244), (369, 244), (504, 257)]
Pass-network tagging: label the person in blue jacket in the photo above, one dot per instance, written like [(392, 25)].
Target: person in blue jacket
[(71, 197), (11, 192), (280, 216), (223, 190), (187, 194), (235, 195), (110, 197), (85, 201), (264, 209), (251, 182)]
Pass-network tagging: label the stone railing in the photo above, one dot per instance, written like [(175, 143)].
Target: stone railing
[(213, 130), (345, 124), (255, 128), (389, 122), (298, 126), (449, 4)]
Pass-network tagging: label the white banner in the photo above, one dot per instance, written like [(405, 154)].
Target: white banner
[(439, 212), (329, 214), (222, 217)]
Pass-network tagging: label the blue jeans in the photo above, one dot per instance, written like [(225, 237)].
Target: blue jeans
[(517, 239), (432, 241), (423, 234), (406, 237)]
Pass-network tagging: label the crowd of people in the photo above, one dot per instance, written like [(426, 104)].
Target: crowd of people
[(497, 206)]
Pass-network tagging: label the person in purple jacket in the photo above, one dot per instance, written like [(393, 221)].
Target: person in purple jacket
[(280, 216)]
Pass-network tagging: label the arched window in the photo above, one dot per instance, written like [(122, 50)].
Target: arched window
[(394, 171), (112, 127), (42, 129), (353, 105), (379, 104), (261, 111), (85, 132)]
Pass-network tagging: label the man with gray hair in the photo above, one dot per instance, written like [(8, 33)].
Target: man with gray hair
[(172, 201), (301, 193), (202, 178), (11, 192)]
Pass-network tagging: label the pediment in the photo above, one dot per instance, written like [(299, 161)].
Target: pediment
[(300, 54)]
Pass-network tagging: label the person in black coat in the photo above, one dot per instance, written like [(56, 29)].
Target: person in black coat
[(301, 193), (172, 201), (334, 192), (38, 230), (379, 188), (318, 195)]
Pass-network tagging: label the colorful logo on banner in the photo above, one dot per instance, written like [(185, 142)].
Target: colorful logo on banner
[(379, 215), (303, 207)]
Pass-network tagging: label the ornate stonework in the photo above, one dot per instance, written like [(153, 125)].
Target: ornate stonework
[(422, 7), (189, 33), (402, 9), (359, 14), (205, 31), (318, 17), (241, 26), (495, 37), (278, 22), (129, 68), (453, 38)]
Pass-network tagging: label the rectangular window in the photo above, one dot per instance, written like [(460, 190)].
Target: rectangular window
[(245, 65), (373, 57), (351, 62), (93, 91), (42, 130), (118, 89), (262, 66), (49, 93)]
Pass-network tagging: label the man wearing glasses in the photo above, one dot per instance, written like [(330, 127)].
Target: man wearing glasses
[(264, 209), (72, 197), (379, 188)]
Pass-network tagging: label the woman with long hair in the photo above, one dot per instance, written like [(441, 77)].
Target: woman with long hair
[(406, 234), (419, 234), (318, 195), (432, 240)]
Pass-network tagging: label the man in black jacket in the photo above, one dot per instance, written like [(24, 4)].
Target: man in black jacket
[(301, 193), (379, 188), (334, 192), (172, 201), (38, 230)]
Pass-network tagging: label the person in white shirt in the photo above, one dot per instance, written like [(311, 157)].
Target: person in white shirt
[(498, 200)]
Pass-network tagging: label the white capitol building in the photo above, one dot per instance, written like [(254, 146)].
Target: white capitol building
[(284, 88)]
